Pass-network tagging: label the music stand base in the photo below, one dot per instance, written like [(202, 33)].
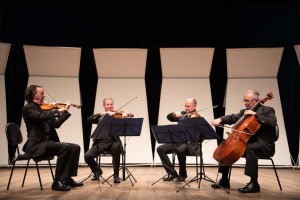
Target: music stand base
[(105, 180), (166, 175), (129, 174), (198, 178)]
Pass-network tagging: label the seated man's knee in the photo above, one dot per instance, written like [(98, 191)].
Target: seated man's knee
[(88, 156), (77, 148), (159, 150)]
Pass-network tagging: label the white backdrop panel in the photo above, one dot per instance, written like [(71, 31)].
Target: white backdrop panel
[(126, 63), (4, 49), (52, 61), (138, 149), (173, 95), (235, 91), (297, 49), (63, 89), (254, 62), (186, 62), (3, 121)]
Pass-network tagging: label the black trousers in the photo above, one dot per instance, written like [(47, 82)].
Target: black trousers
[(67, 158), (114, 148), (180, 149)]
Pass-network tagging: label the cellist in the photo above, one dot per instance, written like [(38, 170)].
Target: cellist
[(262, 142)]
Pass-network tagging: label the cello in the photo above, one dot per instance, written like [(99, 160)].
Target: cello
[(231, 149)]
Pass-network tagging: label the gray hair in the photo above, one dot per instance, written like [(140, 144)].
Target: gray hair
[(107, 98), (255, 94)]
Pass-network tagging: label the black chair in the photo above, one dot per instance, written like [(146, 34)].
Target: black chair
[(197, 162), (173, 163), (263, 157), (104, 154), (98, 160), (14, 137)]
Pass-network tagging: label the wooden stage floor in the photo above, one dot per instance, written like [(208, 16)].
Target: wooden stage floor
[(144, 189)]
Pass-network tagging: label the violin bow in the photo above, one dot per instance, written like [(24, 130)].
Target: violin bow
[(52, 99), (126, 103), (215, 106)]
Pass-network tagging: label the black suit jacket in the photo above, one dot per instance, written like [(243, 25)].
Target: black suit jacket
[(41, 127), (266, 133), (101, 132), (193, 147)]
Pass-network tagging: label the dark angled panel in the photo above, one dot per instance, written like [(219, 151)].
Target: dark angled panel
[(153, 79), (16, 78), (88, 80)]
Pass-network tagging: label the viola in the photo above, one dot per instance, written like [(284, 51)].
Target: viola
[(231, 149), (191, 115), (49, 106)]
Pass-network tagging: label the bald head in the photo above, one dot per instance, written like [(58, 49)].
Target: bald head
[(190, 105)]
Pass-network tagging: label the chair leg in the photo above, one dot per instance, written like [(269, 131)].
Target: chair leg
[(25, 173), (173, 160), (229, 173), (51, 169), (276, 173), (11, 173), (197, 167), (38, 172)]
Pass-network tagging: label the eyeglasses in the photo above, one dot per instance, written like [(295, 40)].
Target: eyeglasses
[(247, 101)]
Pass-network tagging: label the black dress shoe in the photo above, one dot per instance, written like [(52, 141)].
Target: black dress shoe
[(181, 178), (59, 186), (221, 184), (171, 176), (250, 188), (117, 179), (70, 182), (97, 173), (95, 178)]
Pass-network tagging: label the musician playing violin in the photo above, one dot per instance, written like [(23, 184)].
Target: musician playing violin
[(105, 142), (42, 138), (181, 149), (262, 142)]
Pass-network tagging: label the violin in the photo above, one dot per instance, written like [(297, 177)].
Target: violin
[(49, 106), (55, 105), (191, 115), (231, 149), (195, 113), (119, 114)]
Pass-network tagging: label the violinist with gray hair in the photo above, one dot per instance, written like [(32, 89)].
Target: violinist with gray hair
[(104, 142), (181, 149)]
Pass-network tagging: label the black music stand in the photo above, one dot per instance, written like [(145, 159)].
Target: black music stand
[(169, 134), (198, 129), (125, 127)]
